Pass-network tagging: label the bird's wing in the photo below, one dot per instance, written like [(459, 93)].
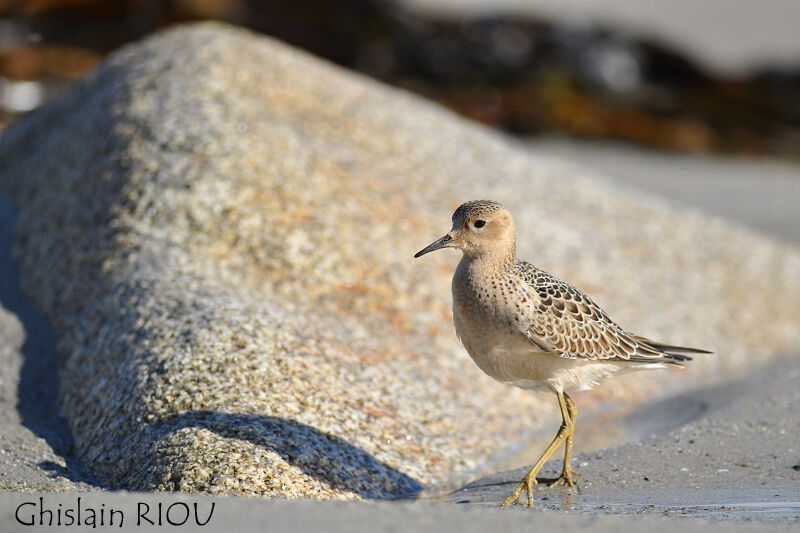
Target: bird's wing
[(568, 323)]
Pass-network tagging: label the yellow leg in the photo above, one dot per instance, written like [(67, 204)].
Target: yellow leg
[(567, 472), (529, 480)]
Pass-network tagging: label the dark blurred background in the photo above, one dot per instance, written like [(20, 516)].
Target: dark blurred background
[(515, 68)]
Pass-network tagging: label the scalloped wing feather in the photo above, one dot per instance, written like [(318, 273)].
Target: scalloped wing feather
[(566, 322)]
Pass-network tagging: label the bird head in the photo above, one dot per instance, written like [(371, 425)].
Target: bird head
[(481, 228)]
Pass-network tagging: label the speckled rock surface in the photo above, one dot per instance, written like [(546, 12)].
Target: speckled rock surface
[(220, 229)]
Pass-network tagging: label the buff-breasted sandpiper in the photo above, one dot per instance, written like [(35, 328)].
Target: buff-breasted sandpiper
[(527, 328)]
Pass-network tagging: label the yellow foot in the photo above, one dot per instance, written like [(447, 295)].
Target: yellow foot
[(565, 479), (527, 485)]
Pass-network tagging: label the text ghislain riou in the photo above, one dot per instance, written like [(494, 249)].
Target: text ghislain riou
[(38, 513)]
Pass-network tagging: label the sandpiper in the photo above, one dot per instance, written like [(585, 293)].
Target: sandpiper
[(527, 328)]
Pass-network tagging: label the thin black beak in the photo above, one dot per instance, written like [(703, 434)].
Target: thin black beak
[(441, 243)]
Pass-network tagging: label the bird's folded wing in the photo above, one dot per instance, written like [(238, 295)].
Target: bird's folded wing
[(567, 323)]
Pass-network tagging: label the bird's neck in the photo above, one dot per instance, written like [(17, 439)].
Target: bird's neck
[(484, 262)]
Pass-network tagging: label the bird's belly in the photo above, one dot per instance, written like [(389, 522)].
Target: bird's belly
[(509, 357), (502, 353)]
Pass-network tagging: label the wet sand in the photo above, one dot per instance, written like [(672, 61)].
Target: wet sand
[(241, 514), (737, 458)]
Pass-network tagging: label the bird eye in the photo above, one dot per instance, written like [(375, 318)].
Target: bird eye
[(479, 223)]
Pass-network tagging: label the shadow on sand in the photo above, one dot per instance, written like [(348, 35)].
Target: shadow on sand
[(37, 393)]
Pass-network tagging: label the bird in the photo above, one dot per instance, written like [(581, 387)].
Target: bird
[(527, 328)]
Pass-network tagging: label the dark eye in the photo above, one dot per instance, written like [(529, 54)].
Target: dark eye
[(479, 223)]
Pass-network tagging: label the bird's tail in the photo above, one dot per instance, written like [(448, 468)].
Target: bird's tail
[(678, 353)]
